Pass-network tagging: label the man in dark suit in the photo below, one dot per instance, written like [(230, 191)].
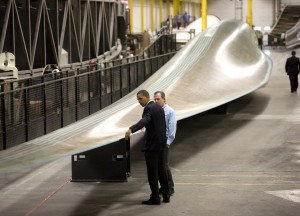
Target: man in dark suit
[(292, 69), (153, 119)]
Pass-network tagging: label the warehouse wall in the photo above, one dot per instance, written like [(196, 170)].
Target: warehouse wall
[(263, 11)]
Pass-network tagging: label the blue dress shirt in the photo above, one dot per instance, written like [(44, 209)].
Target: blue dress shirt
[(171, 123)]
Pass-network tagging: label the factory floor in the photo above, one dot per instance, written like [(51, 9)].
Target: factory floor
[(245, 162)]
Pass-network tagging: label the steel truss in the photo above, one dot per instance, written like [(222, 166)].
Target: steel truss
[(38, 32)]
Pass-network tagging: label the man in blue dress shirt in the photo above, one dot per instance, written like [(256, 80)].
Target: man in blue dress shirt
[(171, 123)]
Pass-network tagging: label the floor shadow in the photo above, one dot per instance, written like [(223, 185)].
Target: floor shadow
[(193, 135)]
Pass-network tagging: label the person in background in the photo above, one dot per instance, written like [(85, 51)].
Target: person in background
[(186, 19), (292, 67), (259, 36), (171, 124), (178, 20), (168, 25), (153, 119)]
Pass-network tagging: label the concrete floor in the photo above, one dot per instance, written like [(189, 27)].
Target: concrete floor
[(244, 163)]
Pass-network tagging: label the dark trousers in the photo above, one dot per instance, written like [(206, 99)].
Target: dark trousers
[(293, 82), (156, 170), (168, 171)]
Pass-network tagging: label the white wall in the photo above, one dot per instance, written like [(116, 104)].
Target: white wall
[(147, 22), (262, 12), (223, 9)]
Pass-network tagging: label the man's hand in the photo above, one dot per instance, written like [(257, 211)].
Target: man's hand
[(127, 134)]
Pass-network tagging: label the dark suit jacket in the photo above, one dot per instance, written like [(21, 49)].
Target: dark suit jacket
[(153, 119), (292, 65)]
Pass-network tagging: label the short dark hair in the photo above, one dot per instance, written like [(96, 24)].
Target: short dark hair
[(162, 94), (293, 52), (143, 93)]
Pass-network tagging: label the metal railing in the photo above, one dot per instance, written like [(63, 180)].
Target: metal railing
[(41, 105)]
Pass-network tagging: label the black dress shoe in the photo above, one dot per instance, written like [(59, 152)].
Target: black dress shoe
[(166, 199), (151, 202)]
